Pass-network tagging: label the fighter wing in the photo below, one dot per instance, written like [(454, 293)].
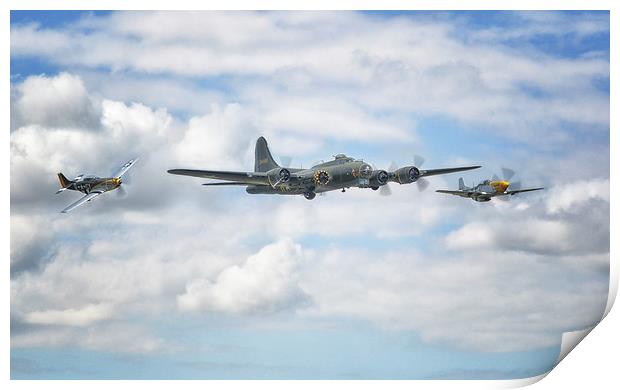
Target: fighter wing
[(525, 190), (464, 194), (122, 170), (443, 171), (238, 177), (86, 198)]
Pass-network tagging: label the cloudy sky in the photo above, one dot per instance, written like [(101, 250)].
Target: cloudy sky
[(181, 281)]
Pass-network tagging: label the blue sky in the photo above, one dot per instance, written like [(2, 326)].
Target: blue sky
[(179, 282)]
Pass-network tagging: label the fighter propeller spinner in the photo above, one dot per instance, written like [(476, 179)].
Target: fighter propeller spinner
[(338, 174), (93, 186)]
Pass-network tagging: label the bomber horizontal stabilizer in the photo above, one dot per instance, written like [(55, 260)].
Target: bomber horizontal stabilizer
[(237, 177)]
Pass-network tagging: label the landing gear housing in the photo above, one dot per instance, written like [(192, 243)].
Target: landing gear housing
[(309, 195)]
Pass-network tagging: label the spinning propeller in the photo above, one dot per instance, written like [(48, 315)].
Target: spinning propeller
[(507, 174), (124, 180), (421, 182), (121, 192)]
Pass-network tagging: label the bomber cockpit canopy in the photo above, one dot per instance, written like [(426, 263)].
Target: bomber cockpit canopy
[(486, 182), (338, 159), (343, 158)]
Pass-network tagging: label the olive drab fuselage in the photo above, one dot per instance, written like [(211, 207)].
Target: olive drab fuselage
[(343, 172)]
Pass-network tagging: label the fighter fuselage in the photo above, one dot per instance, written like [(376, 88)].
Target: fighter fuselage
[(88, 184), (484, 191)]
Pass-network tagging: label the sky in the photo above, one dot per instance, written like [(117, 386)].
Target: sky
[(181, 281)]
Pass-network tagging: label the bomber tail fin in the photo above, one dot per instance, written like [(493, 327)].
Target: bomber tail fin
[(263, 161), (461, 184), (64, 182)]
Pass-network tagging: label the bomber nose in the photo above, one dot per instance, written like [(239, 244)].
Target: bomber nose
[(365, 170), (504, 185)]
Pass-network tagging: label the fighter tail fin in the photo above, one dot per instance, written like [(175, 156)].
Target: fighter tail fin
[(64, 182), (263, 161), (461, 184)]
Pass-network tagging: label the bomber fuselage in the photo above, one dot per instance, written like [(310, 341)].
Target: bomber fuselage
[(343, 172)]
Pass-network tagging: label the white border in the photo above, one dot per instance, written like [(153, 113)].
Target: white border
[(591, 366)]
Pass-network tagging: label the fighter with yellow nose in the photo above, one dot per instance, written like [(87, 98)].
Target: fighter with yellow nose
[(488, 189), (499, 185), (92, 186)]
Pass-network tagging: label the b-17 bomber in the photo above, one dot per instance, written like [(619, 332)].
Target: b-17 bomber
[(338, 174), (92, 186)]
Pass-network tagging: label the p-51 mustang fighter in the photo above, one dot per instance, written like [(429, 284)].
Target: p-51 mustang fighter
[(92, 186), (488, 189), (343, 172)]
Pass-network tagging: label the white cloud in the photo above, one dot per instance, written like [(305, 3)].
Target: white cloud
[(174, 94), (109, 337), (84, 316), (59, 101), (32, 39), (387, 66), (529, 234), (481, 300), (535, 23), (32, 241), (339, 215), (136, 120), (329, 118), (536, 229), (572, 196), (564, 219), (217, 138), (266, 282)]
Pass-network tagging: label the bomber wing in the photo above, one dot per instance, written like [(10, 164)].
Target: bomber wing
[(443, 171), (122, 170), (249, 178), (464, 194), (86, 198), (226, 183)]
